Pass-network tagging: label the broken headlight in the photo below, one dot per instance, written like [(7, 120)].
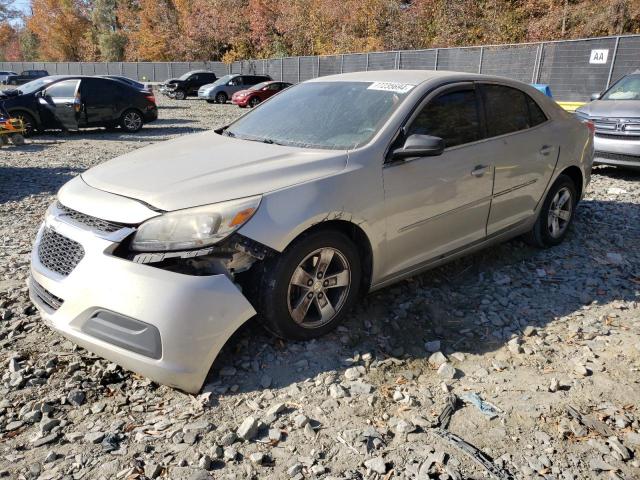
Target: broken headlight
[(194, 227)]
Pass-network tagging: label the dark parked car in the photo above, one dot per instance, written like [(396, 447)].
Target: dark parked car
[(133, 83), (5, 74), (258, 93), (26, 76), (188, 84), (73, 102)]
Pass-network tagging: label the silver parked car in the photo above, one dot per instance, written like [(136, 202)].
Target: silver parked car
[(616, 117), (223, 89), (333, 188)]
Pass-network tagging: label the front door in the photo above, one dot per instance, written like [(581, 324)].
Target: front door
[(436, 205), (60, 104)]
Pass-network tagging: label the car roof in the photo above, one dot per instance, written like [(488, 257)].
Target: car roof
[(413, 77), (200, 71)]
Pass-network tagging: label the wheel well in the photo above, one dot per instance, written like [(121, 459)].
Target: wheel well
[(359, 239), (575, 174)]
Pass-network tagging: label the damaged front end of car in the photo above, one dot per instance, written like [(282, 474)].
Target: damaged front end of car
[(155, 292)]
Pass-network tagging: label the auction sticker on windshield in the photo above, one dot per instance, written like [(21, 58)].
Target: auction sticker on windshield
[(391, 87)]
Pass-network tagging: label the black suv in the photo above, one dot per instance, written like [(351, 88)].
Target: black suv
[(73, 102), (26, 76), (187, 84)]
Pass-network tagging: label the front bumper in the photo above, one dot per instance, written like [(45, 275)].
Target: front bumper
[(240, 101), (121, 310), (206, 94), (619, 150)]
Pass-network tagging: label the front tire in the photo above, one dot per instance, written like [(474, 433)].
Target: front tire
[(29, 122), (221, 97), (307, 290), (254, 102), (556, 214), (180, 95), (131, 121)]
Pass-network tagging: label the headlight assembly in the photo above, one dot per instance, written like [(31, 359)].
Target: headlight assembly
[(194, 227)]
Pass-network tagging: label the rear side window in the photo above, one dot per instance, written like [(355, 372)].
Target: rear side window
[(536, 115), (101, 91), (508, 110), (452, 116), (64, 89)]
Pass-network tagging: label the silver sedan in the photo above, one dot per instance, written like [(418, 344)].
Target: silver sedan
[(334, 188)]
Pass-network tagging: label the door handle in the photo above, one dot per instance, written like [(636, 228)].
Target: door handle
[(479, 170), (546, 150)]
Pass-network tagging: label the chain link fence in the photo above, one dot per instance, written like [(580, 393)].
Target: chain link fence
[(574, 69)]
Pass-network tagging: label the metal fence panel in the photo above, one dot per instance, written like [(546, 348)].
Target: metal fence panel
[(513, 61), (382, 61), (355, 62), (459, 59), (290, 69), (566, 67), (329, 65), (308, 68), (418, 59), (627, 57)]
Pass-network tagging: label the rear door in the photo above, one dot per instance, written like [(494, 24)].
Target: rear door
[(99, 98), (526, 151), (60, 104)]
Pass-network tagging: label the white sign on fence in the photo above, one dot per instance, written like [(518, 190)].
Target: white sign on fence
[(599, 56)]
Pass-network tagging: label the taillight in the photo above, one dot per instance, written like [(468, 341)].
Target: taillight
[(591, 126), (150, 97)]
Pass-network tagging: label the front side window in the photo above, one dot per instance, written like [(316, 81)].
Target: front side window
[(64, 89), (627, 88), (330, 115), (452, 116), (506, 109)]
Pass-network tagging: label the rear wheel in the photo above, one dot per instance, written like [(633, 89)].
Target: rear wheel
[(180, 95), (221, 97), (131, 121), (254, 102), (556, 214), (307, 290)]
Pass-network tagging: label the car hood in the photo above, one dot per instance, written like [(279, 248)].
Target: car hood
[(612, 108), (9, 94), (206, 168)]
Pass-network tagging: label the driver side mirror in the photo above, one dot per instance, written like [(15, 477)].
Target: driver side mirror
[(420, 146), (595, 96)]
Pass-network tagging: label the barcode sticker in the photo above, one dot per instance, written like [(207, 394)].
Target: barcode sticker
[(391, 87)]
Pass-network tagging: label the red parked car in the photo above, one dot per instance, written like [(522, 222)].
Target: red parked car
[(256, 94)]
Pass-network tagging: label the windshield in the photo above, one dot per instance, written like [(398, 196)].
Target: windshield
[(222, 80), (184, 76), (627, 88), (332, 115), (34, 85), (259, 86)]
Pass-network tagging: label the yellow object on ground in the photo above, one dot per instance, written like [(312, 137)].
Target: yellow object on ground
[(11, 130), (570, 106)]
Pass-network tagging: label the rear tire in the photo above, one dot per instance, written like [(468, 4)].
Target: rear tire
[(307, 290), (131, 121), (556, 214), (221, 97)]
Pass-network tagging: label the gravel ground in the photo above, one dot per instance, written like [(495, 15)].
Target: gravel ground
[(551, 339)]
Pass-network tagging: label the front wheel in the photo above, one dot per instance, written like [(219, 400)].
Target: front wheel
[(254, 102), (556, 214), (131, 121), (221, 97), (180, 95), (28, 121), (307, 290)]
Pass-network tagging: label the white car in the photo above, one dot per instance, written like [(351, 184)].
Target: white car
[(333, 188)]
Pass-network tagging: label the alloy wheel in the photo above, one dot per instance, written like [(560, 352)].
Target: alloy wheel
[(560, 212), (319, 287), (132, 121)]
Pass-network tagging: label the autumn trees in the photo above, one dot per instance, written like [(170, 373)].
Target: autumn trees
[(113, 30)]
